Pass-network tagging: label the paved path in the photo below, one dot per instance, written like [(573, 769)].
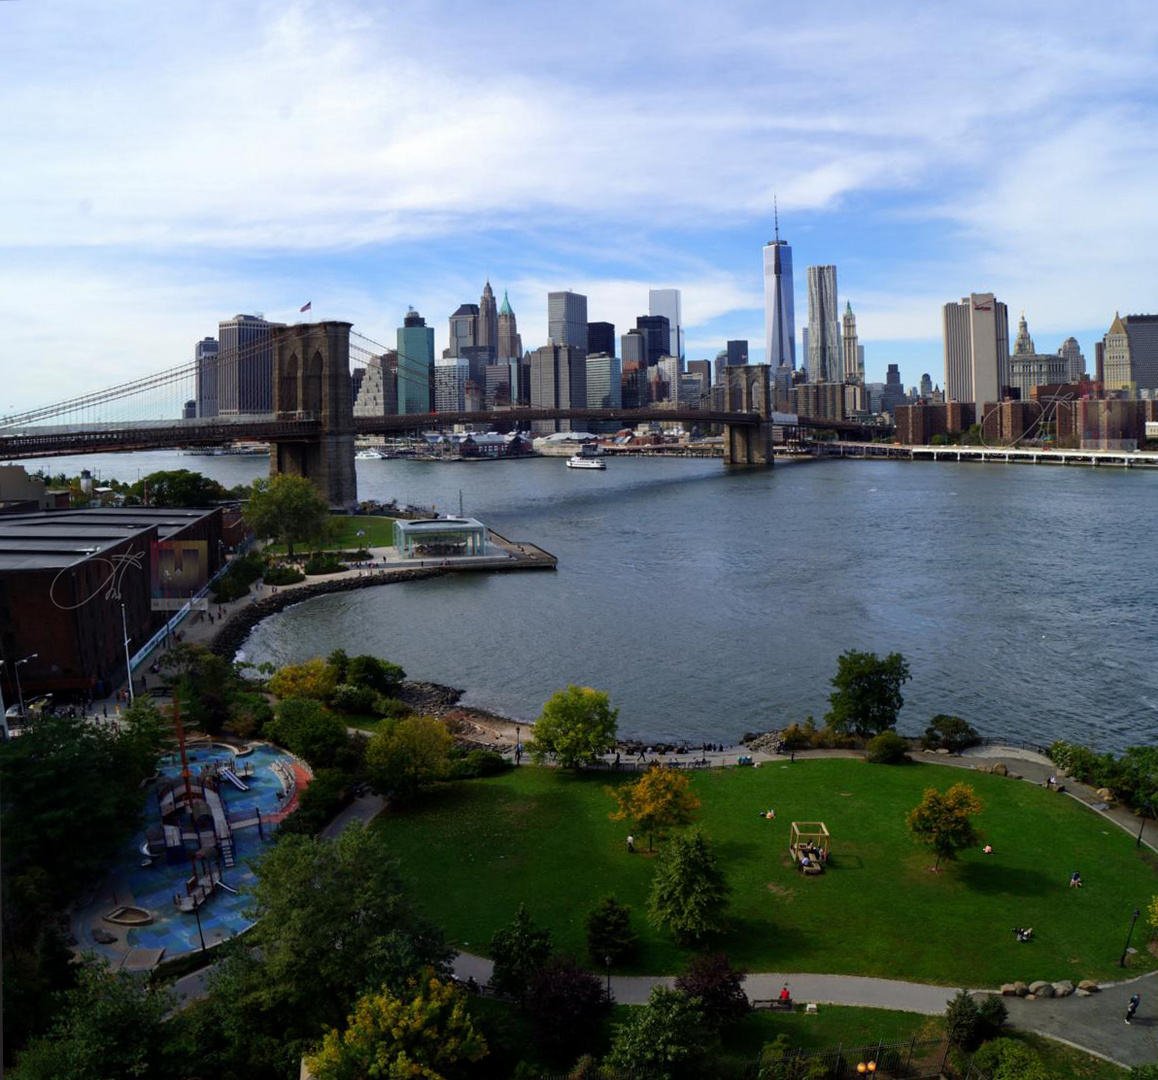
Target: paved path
[(362, 811)]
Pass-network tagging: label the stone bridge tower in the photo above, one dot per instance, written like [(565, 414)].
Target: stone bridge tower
[(311, 378), (748, 390)]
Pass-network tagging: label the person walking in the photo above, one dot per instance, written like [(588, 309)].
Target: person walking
[(630, 844), (1132, 1007)]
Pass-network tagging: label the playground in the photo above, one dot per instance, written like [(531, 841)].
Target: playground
[(181, 880)]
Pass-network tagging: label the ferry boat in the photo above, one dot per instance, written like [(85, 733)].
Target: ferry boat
[(581, 461), (369, 454)]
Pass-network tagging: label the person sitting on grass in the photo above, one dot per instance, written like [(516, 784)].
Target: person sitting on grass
[(1075, 880), (1023, 933)]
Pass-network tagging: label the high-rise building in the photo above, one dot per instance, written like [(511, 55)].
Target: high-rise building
[(690, 390), (415, 365), (558, 381), (510, 344), (520, 382), (244, 365), (497, 385), (378, 393), (718, 367), (779, 304), (1130, 354), (976, 334), (851, 350), (488, 321), (669, 369), (657, 330), (450, 381), (666, 302), (601, 338), (1075, 361), (894, 391), (1029, 368), (463, 330), (205, 355), (604, 382), (567, 319), (737, 352), (926, 387), (633, 347), (804, 348), (824, 359), (635, 391), (704, 370)]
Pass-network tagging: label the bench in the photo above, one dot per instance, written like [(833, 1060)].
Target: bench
[(775, 1005)]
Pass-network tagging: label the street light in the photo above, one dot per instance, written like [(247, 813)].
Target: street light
[(19, 692), (866, 1068), (1148, 808), (128, 665), (607, 961), (1126, 947)]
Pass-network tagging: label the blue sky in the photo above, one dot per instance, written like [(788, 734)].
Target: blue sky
[(163, 166)]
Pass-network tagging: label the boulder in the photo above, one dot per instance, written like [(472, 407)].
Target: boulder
[(1041, 989), (942, 750), (1089, 986), (984, 768), (103, 937), (1020, 989), (1008, 990), (1000, 770), (1079, 992), (1059, 788), (1063, 988), (1015, 776), (1105, 794)]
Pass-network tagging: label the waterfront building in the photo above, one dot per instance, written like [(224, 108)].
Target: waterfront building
[(1029, 368), (244, 365), (377, 394), (415, 365), (510, 344), (604, 382), (976, 337), (487, 335), (823, 400), (852, 352), (657, 333), (1130, 355), (704, 370), (666, 302), (779, 304), (633, 347), (600, 338), (916, 425), (567, 319), (825, 363), (463, 330), (205, 357), (558, 379), (1075, 361)]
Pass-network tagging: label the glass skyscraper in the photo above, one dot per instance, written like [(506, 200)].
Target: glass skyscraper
[(567, 319), (415, 364), (779, 305), (667, 302)]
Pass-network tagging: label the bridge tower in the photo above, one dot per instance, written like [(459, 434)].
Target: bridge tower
[(311, 378), (748, 391)]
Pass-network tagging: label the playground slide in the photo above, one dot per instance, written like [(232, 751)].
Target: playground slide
[(228, 888), (234, 779)]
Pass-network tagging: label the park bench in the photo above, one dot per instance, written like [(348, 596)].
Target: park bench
[(775, 1005)]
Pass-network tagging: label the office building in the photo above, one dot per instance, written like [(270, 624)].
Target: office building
[(463, 330), (976, 337), (824, 357), (487, 335), (633, 347), (1130, 355), (601, 338), (497, 385), (704, 370), (205, 357), (450, 381), (1028, 368), (567, 319), (718, 368), (415, 365), (737, 352), (657, 331), (510, 344), (244, 365), (669, 370), (804, 349), (894, 391), (666, 302), (690, 390), (779, 304), (604, 383), (377, 394), (558, 379), (1075, 361), (520, 382), (853, 354), (926, 390), (635, 388)]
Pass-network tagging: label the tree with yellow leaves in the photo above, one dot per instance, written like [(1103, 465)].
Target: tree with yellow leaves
[(416, 1035), (660, 799), (942, 821)]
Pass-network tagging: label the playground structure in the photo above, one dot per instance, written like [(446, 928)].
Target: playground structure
[(808, 846)]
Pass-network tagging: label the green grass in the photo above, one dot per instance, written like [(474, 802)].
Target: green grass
[(475, 850), (1065, 1062), (379, 533)]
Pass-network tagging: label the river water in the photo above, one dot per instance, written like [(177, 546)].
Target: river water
[(710, 602)]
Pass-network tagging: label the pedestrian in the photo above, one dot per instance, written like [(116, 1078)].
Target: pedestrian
[(106, 707), (630, 844), (616, 765), (1132, 1007)]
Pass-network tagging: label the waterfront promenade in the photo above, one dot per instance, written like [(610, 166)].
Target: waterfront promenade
[(1006, 455)]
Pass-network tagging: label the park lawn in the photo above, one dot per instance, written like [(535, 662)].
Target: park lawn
[(475, 850), (379, 533), (829, 1027)]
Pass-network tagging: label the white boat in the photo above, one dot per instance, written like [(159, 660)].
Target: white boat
[(578, 461), (369, 454)]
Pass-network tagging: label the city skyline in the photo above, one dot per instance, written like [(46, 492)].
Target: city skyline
[(913, 205)]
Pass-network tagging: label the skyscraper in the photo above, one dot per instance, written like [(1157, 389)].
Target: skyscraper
[(601, 338), (737, 352), (378, 394), (488, 321), (510, 344), (604, 382), (558, 381), (205, 355), (824, 360), (1075, 361), (704, 369), (415, 364), (463, 330), (853, 367), (666, 302), (976, 333), (779, 304), (567, 319), (633, 347), (926, 386), (244, 365), (1130, 350), (657, 332)]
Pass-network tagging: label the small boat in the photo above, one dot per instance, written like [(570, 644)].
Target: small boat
[(369, 454), (578, 461)]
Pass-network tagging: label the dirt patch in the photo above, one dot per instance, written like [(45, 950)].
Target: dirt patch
[(845, 794), (781, 890)]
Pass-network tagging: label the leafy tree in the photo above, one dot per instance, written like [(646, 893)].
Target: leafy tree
[(249, 713), (719, 987), (609, 933), (178, 487), (688, 893), (421, 1032), (660, 799), (410, 756), (359, 700), (577, 726), (949, 733), (318, 802), (109, 1025), (314, 679), (866, 694), (943, 820), (380, 675), (565, 1004), (888, 748), (1144, 1072), (963, 1021), (1008, 1059), (664, 1038), (147, 733), (340, 662), (205, 684), (518, 949), (288, 509), (305, 728)]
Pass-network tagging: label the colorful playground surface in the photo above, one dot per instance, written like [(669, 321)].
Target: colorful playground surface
[(257, 787)]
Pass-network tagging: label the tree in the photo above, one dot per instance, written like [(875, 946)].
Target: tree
[(288, 509), (949, 733), (719, 987), (374, 674), (577, 726), (963, 1021), (662, 1038), (518, 949), (319, 802), (942, 821), (305, 728), (688, 893), (177, 487), (421, 1032), (412, 755), (565, 1004), (888, 748), (609, 933), (310, 679), (660, 799), (205, 684), (1009, 1059), (866, 694)]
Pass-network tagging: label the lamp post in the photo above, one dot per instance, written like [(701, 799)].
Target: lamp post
[(1143, 815), (1126, 947), (197, 913), (128, 666), (19, 691), (866, 1068), (607, 962)]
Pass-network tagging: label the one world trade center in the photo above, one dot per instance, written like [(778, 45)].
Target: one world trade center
[(779, 318)]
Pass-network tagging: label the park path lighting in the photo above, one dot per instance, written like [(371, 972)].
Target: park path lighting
[(1126, 947), (1145, 812), (866, 1068), (128, 666), (19, 691), (607, 963)]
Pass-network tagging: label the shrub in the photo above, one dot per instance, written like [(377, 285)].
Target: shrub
[(354, 699), (374, 674), (949, 733), (323, 563), (283, 575), (476, 763), (248, 714), (1008, 1059), (326, 794), (888, 748), (308, 730), (243, 571), (311, 679), (391, 708)]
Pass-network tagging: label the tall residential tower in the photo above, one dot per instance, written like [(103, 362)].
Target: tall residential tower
[(824, 359)]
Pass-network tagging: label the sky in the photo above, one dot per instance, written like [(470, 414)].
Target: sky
[(163, 166)]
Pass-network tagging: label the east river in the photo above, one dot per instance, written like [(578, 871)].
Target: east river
[(709, 602)]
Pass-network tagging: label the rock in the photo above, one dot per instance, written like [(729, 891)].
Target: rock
[(102, 937), (1105, 794), (1089, 986), (1041, 989), (984, 768), (1008, 990), (1020, 989), (1079, 992), (1015, 776), (1059, 788), (1030, 997), (1063, 988), (942, 750), (1000, 770)]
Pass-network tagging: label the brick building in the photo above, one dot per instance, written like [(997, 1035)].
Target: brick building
[(917, 424)]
